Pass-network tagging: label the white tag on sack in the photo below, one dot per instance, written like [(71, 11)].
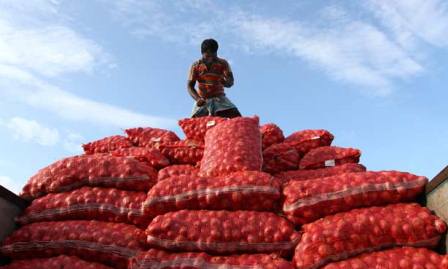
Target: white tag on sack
[(330, 163), (156, 139), (315, 137), (211, 123)]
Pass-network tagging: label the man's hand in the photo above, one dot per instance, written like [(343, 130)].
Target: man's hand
[(227, 81), (200, 102)]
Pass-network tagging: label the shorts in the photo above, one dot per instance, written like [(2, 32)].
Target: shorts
[(212, 105)]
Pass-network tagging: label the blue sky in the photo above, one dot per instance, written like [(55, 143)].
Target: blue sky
[(372, 72)]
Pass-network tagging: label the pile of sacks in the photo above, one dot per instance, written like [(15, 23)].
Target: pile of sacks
[(232, 194)]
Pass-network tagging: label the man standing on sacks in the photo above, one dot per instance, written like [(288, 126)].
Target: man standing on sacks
[(212, 74)]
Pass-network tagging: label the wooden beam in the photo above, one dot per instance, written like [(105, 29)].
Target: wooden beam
[(13, 198), (437, 201), (437, 180)]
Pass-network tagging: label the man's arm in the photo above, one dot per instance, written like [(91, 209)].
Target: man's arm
[(228, 80), (228, 76), (192, 91), (190, 87), (191, 82)]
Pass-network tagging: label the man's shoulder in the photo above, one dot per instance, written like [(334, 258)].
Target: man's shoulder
[(222, 61), (197, 62)]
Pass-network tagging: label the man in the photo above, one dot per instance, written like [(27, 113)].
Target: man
[(212, 74)]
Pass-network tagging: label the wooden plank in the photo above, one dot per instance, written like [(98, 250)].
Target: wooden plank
[(11, 206), (9, 211), (437, 200), (437, 180), (12, 198), (443, 245)]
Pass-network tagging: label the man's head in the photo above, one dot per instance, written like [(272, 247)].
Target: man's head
[(209, 49)]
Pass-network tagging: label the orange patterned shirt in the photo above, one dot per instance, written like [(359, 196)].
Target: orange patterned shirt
[(210, 78)]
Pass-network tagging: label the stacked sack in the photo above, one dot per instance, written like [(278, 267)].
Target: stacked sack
[(232, 194), (87, 207), (222, 212), (350, 217)]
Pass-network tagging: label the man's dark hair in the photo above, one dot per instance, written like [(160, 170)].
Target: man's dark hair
[(210, 45)]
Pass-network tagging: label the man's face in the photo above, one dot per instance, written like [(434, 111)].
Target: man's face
[(208, 56)]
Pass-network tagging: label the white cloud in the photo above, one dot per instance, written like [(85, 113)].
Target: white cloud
[(35, 50), (11, 184), (35, 37), (31, 11), (414, 19), (180, 21), (72, 143), (31, 131), (354, 52), (48, 51), (45, 96), (346, 47)]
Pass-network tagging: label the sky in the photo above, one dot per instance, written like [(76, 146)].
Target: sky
[(372, 72)]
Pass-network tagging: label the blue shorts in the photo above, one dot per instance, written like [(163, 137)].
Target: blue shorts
[(212, 106)]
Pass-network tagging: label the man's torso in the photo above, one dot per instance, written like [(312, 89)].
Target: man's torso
[(210, 77)]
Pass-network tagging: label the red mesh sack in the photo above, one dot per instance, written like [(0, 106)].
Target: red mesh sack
[(91, 170), (59, 262), (107, 144), (233, 145), (149, 155), (195, 128), (321, 172), (271, 134), (222, 232), (109, 243), (162, 259), (177, 170), (238, 191), (104, 204), (307, 140), (183, 152), (150, 137), (280, 157), (397, 258), (329, 156), (348, 234), (306, 201)]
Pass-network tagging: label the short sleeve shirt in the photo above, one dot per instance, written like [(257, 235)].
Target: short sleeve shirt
[(210, 78)]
